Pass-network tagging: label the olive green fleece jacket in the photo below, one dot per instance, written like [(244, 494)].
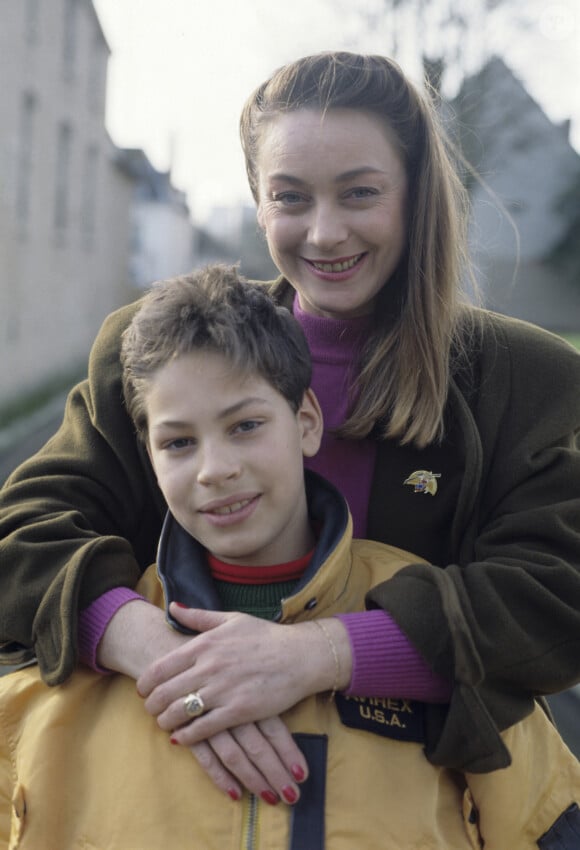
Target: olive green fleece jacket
[(501, 617)]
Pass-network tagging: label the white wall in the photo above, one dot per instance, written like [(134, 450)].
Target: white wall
[(64, 205), (162, 242)]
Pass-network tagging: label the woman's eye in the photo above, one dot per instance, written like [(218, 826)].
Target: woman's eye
[(288, 199), (361, 192)]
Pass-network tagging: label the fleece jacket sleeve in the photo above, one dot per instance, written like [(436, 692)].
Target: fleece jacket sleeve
[(80, 517), (504, 622)]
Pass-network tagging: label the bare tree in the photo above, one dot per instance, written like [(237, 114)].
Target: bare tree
[(448, 38)]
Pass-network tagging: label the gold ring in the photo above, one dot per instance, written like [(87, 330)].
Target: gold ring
[(193, 705)]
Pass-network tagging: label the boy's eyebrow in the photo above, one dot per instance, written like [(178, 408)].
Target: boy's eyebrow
[(223, 414), (235, 408)]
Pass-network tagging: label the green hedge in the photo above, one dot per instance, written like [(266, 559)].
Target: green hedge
[(574, 339)]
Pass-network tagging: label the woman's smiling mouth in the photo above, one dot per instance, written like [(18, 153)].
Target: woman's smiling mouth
[(340, 265)]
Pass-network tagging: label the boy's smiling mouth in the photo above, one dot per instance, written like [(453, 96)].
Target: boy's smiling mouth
[(234, 508), (231, 508)]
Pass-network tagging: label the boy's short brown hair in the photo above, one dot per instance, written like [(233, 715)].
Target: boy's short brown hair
[(214, 309)]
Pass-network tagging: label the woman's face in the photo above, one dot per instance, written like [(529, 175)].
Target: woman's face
[(332, 196)]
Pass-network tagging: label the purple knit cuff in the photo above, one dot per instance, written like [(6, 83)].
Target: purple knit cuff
[(94, 619), (386, 664)]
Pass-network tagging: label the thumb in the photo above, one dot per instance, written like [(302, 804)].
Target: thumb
[(197, 619)]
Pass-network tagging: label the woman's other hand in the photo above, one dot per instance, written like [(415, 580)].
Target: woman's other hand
[(244, 669)]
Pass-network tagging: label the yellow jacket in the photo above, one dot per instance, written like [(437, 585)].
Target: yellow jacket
[(84, 766)]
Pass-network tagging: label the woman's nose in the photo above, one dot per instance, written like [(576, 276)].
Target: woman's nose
[(327, 227)]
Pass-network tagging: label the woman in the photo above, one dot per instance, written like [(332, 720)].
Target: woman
[(217, 380), (443, 432)]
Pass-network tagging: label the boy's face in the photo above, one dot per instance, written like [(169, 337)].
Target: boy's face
[(227, 450)]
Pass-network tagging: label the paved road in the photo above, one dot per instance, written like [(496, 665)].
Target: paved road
[(21, 441), (25, 441)]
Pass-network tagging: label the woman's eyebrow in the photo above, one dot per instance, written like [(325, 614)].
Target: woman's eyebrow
[(352, 173), (361, 171)]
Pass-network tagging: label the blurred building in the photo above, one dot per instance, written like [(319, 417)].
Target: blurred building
[(256, 262), (236, 237), (525, 215), (64, 202), (162, 243)]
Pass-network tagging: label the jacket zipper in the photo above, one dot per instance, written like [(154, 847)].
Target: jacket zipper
[(250, 826)]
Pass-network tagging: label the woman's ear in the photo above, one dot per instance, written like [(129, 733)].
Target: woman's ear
[(311, 422)]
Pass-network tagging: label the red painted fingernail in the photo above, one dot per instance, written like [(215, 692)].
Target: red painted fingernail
[(297, 772), (180, 605), (269, 797), (234, 794), (174, 741), (289, 794)]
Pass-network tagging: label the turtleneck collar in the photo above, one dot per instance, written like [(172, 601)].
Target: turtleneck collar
[(332, 339), (236, 574)]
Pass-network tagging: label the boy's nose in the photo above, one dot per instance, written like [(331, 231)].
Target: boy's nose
[(216, 464)]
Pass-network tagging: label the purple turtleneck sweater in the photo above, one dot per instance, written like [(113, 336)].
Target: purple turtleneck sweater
[(384, 662)]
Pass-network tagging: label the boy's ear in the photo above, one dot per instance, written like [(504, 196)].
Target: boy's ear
[(311, 422)]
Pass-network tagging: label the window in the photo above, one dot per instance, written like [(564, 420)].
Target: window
[(62, 188), (28, 109), (89, 197), (69, 45), (31, 21), (96, 79)]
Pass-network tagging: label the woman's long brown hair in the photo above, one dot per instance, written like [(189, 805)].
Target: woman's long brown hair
[(400, 383)]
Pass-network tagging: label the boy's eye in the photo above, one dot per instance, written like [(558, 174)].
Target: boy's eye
[(247, 425), (179, 443)]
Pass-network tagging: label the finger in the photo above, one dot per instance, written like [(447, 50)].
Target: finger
[(224, 760), (190, 732), (277, 733), (166, 701), (210, 763), (176, 717), (198, 619), (164, 669), (259, 750)]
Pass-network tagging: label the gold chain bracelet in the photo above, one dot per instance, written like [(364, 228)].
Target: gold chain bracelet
[(333, 649)]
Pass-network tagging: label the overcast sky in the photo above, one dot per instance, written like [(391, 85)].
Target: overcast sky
[(180, 71)]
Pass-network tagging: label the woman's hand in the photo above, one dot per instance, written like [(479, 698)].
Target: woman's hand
[(245, 670), (261, 757)]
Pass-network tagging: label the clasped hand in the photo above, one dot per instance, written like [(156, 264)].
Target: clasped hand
[(247, 672)]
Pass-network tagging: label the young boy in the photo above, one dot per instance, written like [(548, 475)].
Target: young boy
[(216, 379)]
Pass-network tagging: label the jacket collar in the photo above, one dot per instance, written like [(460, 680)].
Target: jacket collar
[(185, 576)]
